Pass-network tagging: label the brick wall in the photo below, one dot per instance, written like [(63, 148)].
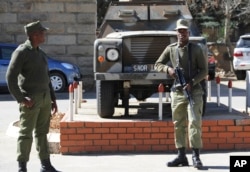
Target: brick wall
[(72, 26), (80, 137)]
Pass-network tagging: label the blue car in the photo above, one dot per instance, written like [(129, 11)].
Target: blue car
[(61, 73)]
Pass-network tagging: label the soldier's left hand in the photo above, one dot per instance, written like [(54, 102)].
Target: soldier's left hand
[(54, 108)]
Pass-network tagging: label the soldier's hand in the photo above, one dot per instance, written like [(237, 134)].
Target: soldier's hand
[(171, 72), (28, 102), (54, 108)]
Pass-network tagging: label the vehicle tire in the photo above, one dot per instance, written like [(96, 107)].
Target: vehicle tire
[(105, 95), (58, 81), (240, 74)]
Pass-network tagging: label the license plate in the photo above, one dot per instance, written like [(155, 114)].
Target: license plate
[(140, 68)]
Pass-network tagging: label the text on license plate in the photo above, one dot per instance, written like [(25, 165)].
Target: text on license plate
[(140, 68)]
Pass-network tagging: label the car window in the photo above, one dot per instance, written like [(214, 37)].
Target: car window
[(243, 42)]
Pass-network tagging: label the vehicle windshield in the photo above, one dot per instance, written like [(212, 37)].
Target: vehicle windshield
[(243, 42)]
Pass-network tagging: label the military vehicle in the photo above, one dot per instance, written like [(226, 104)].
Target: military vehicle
[(129, 41)]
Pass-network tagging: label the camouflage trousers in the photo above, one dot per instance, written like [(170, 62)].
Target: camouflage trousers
[(184, 122)]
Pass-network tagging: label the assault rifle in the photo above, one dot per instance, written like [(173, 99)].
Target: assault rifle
[(180, 77)]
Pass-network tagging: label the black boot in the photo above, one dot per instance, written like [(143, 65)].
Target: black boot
[(22, 167), (46, 166), (196, 159), (180, 160)]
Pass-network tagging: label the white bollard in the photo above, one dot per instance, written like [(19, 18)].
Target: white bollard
[(79, 94), (230, 96), (209, 89), (75, 84), (160, 90), (71, 91), (167, 96), (218, 90)]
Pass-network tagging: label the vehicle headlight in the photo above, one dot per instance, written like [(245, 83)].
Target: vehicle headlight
[(67, 65), (112, 54)]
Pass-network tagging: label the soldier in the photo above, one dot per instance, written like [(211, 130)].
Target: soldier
[(29, 83), (190, 58)]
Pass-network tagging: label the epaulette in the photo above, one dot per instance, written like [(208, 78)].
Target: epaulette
[(173, 44)]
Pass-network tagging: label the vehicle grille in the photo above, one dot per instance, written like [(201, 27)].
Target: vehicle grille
[(143, 50)]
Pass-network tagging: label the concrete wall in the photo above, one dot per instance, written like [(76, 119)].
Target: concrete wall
[(72, 26)]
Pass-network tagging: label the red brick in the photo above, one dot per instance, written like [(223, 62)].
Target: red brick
[(226, 146), (209, 123), (100, 130), (126, 136), (64, 137), (210, 146), (84, 130), (242, 134), (93, 124), (159, 124), (134, 130), (127, 124), (246, 140), (242, 146), (110, 124), (118, 130), (109, 136), (218, 128), (151, 141), (135, 142), (234, 128), (93, 148), (68, 131), (101, 142), (68, 143), (234, 140), (142, 136), (118, 142), (159, 147), (126, 148), (63, 124), (210, 135), (166, 129), (143, 124), (170, 135), (166, 141), (76, 137), (226, 122), (159, 136), (205, 129), (76, 149), (246, 128), (144, 148), (110, 148), (226, 134), (93, 136), (75, 124), (218, 140)]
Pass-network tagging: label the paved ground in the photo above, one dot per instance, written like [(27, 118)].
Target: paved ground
[(213, 161)]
